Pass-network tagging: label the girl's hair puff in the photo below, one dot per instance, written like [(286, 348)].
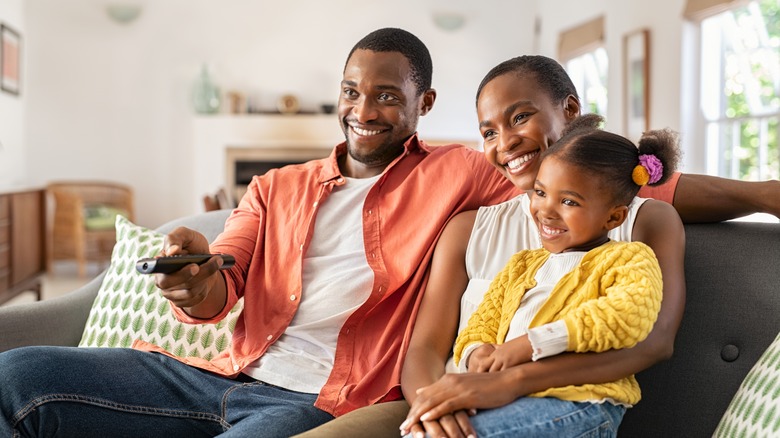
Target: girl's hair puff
[(611, 157)]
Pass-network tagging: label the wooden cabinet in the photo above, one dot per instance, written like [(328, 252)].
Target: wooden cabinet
[(22, 242)]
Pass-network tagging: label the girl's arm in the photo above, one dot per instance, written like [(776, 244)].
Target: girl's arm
[(483, 325), (659, 226), (627, 309)]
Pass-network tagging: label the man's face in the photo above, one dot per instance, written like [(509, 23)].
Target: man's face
[(378, 107)]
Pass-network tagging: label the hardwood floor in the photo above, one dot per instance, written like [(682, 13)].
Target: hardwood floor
[(62, 280)]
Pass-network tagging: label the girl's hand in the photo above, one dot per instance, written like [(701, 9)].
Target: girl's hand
[(463, 392), (480, 359), (509, 354)]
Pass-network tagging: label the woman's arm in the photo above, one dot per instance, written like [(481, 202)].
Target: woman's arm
[(659, 226), (437, 319)]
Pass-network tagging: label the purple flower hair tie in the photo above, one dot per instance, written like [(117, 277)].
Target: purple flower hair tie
[(654, 167)]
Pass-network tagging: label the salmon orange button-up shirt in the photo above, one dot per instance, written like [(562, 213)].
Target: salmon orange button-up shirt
[(403, 216)]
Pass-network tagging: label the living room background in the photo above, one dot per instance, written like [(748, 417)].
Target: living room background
[(103, 100)]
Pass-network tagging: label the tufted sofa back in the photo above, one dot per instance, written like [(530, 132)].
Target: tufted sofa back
[(732, 314)]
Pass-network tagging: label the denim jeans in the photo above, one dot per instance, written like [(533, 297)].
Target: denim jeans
[(100, 392), (548, 418)]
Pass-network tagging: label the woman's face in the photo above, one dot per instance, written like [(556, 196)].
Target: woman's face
[(518, 120)]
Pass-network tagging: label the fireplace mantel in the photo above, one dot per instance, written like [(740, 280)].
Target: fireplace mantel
[(274, 134)]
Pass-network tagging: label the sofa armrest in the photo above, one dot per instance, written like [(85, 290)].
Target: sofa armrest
[(58, 321), (61, 321)]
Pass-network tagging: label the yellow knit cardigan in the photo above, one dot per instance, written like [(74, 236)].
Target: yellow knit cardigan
[(609, 301)]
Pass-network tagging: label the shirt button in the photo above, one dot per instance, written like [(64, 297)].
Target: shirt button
[(315, 203), (369, 211), (235, 367), (301, 247), (292, 297), (270, 337)]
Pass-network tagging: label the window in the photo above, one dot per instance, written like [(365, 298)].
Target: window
[(740, 91), (589, 74), (582, 54)]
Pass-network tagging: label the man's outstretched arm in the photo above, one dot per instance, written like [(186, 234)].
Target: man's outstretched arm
[(705, 198)]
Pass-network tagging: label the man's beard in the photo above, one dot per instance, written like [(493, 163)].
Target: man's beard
[(381, 155)]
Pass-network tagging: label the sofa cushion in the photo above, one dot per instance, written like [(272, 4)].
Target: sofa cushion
[(755, 409), (129, 306)]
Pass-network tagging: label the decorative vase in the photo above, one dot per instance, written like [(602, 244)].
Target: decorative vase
[(205, 96)]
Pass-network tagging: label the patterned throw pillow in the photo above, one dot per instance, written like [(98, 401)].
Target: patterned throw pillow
[(755, 409), (129, 306)]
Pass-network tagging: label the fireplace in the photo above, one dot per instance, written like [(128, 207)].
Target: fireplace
[(243, 163), (227, 149)]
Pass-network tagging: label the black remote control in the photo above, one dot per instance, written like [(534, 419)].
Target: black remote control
[(168, 264)]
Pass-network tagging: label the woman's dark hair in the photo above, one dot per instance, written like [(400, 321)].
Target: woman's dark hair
[(611, 157), (392, 39), (549, 75)]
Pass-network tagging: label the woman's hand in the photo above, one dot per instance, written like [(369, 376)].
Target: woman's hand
[(455, 425), (463, 392)]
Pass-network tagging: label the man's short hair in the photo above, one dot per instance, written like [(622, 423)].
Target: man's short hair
[(392, 39)]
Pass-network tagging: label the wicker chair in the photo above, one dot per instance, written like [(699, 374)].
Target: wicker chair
[(80, 220)]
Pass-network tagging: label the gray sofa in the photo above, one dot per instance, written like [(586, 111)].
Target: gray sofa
[(732, 315)]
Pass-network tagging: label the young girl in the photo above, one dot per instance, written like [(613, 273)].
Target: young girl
[(580, 292)]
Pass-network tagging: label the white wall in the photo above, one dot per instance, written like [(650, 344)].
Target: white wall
[(112, 101), (104, 100), (13, 147)]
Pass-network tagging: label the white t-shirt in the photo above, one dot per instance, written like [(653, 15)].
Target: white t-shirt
[(336, 281)]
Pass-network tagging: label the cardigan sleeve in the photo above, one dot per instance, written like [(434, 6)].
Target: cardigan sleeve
[(628, 303), (484, 323)]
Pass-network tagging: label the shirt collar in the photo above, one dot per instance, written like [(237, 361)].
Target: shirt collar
[(330, 169)]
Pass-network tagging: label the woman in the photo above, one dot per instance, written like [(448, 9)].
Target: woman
[(523, 105)]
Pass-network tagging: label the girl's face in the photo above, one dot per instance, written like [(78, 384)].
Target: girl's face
[(571, 209), (518, 120)]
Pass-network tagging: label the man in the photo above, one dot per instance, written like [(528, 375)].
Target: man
[(330, 257)]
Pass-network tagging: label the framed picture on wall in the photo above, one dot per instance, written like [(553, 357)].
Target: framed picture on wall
[(636, 80), (10, 60)]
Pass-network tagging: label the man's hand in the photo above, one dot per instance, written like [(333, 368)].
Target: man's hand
[(189, 287)]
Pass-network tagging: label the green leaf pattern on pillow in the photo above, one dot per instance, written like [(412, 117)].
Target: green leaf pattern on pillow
[(129, 306), (755, 409)]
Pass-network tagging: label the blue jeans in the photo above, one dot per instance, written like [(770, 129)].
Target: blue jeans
[(100, 392), (548, 417)]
